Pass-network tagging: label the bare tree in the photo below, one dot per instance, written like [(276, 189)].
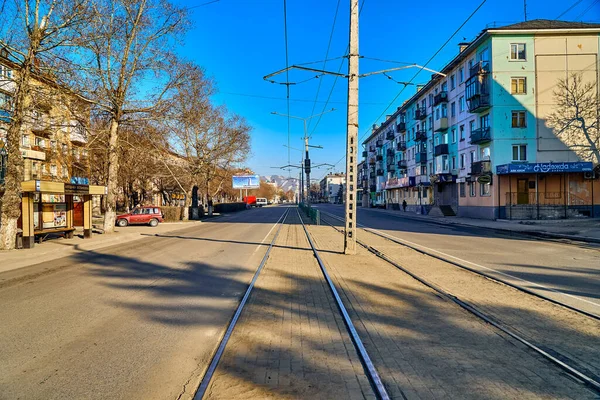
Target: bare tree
[(129, 71), (575, 119), (40, 29)]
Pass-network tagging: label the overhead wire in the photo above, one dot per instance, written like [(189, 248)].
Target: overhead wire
[(287, 79), (569, 9), (586, 10)]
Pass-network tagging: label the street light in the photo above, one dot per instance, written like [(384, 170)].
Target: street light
[(306, 158)]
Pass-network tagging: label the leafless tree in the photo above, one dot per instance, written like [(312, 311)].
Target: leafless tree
[(40, 28), (575, 119), (129, 69)]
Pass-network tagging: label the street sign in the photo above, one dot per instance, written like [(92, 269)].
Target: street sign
[(246, 182), (484, 179)]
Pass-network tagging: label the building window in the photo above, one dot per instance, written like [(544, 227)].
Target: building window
[(519, 152), (472, 189), (40, 142), (472, 154), (463, 192), (461, 129), (518, 86), (517, 52), (5, 72), (484, 189), (453, 82), (25, 140), (453, 162), (453, 133), (65, 172), (53, 170), (462, 161), (518, 119), (453, 109), (5, 101), (461, 104), (461, 76), (471, 127)]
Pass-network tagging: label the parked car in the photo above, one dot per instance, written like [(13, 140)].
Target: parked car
[(261, 201), (150, 215)]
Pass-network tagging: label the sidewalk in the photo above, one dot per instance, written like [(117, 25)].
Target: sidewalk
[(57, 248), (586, 230)]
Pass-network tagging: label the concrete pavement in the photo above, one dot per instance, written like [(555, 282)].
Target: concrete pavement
[(566, 273)]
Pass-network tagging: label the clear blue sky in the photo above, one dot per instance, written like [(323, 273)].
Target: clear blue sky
[(240, 41)]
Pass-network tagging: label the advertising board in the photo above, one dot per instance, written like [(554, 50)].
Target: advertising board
[(246, 182)]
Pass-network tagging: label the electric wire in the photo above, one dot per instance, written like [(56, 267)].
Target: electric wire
[(569, 9), (586, 10)]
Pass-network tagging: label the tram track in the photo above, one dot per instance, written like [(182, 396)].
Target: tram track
[(587, 378)]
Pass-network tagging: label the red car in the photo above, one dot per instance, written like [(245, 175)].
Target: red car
[(141, 215)]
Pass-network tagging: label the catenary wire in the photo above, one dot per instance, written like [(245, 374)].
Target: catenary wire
[(569, 9)]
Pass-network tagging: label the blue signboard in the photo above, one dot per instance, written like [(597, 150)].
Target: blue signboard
[(5, 115), (75, 180), (246, 182), (544, 168)]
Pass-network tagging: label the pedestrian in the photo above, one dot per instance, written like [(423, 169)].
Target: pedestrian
[(404, 205)]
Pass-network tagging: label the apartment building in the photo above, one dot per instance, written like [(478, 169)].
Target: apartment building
[(332, 185), (476, 141)]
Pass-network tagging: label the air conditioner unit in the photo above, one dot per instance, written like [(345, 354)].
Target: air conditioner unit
[(589, 175)]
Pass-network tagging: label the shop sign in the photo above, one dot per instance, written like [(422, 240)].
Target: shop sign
[(76, 189), (76, 180), (543, 168), (484, 179)]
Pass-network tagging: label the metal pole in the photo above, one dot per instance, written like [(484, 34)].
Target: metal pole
[(352, 133)]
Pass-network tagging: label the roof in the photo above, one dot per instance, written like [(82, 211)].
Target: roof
[(549, 24)]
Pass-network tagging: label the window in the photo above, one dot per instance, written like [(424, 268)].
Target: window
[(461, 129), (471, 127), (65, 173), (518, 86), (445, 87), (472, 154), (484, 121), (453, 133), (5, 101), (517, 52), (484, 189), (461, 76), (445, 163), (519, 152), (25, 140), (53, 170), (472, 189), (471, 62), (463, 192), (518, 119), (53, 144), (5, 72), (453, 162), (40, 142), (453, 82), (461, 104), (462, 161), (453, 109)]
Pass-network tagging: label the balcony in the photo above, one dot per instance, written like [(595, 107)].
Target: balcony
[(441, 97), (379, 143), (479, 102), (390, 153), (402, 164), (389, 135), (440, 149), (380, 172), (379, 157), (421, 158), (401, 146), (365, 154), (480, 68), (372, 175), (420, 113), (372, 161), (481, 167), (440, 124), (421, 136), (391, 168), (481, 135), (401, 127), (372, 149)]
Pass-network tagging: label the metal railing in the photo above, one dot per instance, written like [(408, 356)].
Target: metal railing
[(312, 213)]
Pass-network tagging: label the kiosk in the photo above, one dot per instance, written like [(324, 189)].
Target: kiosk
[(48, 207)]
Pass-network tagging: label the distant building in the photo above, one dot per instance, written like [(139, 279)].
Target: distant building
[(475, 141), (331, 187)]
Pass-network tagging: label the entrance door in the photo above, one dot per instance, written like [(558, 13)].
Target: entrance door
[(78, 213), (522, 191)]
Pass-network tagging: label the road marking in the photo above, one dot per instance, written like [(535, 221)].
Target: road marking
[(477, 265), (265, 238)]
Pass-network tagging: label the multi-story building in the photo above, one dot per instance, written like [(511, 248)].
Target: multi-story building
[(332, 188), (476, 141)]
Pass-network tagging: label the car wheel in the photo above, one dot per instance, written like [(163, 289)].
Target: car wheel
[(153, 222), (122, 223)]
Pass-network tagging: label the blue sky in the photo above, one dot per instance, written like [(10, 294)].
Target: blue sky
[(240, 41)]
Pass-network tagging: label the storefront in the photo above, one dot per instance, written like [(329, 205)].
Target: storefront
[(56, 207)]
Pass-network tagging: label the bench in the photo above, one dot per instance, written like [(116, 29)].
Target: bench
[(44, 233)]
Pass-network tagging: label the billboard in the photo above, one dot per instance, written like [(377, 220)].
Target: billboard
[(246, 182)]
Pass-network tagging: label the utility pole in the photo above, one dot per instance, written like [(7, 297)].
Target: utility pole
[(352, 133)]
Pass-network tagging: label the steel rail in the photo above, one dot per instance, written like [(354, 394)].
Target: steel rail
[(221, 348), (372, 373), (473, 270), (587, 380)]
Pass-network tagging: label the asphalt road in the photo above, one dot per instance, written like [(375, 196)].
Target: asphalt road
[(564, 272), (134, 321)]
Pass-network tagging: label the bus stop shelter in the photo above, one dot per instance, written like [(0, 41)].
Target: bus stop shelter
[(50, 208)]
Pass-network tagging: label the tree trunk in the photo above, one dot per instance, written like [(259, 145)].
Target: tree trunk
[(112, 181)]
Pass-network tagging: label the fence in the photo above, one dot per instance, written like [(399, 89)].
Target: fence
[(312, 213), (544, 205)]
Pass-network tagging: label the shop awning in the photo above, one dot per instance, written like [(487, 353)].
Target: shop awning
[(61, 188), (543, 168)]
